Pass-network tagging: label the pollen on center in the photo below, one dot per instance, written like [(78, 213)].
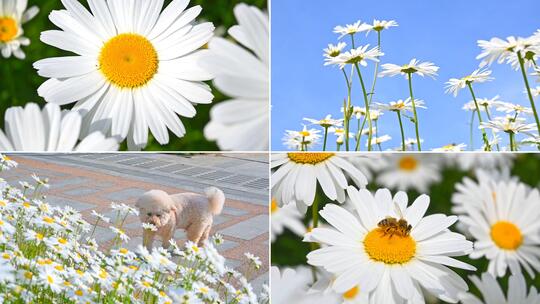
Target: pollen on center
[(389, 248), (309, 158), (128, 60)]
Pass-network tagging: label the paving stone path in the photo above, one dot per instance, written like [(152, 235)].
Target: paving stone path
[(89, 182)]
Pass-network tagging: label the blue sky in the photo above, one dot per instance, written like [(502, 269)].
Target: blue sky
[(443, 32)]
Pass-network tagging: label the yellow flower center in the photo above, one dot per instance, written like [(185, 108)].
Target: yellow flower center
[(79, 292), (128, 60), (28, 275), (8, 29), (123, 250), (3, 203), (62, 241), (103, 274), (408, 163), (39, 236), (48, 220), (6, 256), (50, 279), (304, 133), (506, 235), (351, 293), (26, 205), (274, 206), (309, 158), (146, 284), (59, 267), (389, 248)]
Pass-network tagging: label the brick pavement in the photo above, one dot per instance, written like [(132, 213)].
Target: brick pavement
[(89, 182)]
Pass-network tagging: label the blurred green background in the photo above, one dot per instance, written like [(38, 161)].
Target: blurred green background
[(289, 251), (19, 80)]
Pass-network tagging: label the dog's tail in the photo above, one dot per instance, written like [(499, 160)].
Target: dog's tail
[(216, 199)]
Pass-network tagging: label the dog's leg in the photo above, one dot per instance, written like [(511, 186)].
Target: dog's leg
[(166, 238), (195, 232), (148, 238), (205, 235)]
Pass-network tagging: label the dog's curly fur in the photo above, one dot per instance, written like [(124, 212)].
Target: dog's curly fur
[(189, 211)]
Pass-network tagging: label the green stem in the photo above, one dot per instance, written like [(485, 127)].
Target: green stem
[(409, 76), (402, 132), (366, 101), (484, 135), (372, 92), (492, 131), (533, 106), (325, 137), (360, 135), (471, 131), (302, 143), (346, 110), (512, 142), (377, 135)]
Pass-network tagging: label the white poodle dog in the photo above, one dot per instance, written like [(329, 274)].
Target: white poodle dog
[(189, 211)]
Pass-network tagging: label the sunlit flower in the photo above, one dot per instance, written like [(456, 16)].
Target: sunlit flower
[(401, 105), (509, 124), (136, 67), (359, 55), (13, 14), (512, 108), (349, 29), (454, 85), (296, 177), (393, 266), (379, 25), (333, 50), (241, 123), (483, 103), (380, 139), (414, 66), (326, 122), (500, 50), (298, 140), (451, 148)]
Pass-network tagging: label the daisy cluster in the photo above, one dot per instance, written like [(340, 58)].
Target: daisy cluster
[(134, 69), (505, 126), (49, 255), (373, 235)]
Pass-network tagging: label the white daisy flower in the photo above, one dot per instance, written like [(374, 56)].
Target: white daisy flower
[(49, 278), (298, 140), (401, 105), (512, 108), (535, 91), (296, 177), (242, 73), (414, 66), (392, 265), (100, 216), (454, 85), (29, 129), (135, 67), (503, 219), (379, 140), (492, 293), (349, 29), (291, 286), (340, 133), (451, 148), (508, 124), (488, 161), (359, 55), (500, 50), (323, 289), (409, 171), (149, 226), (482, 103), (326, 122), (13, 14), (285, 217), (379, 25), (333, 50)]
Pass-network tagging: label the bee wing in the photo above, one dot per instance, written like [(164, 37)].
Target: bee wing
[(398, 210)]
